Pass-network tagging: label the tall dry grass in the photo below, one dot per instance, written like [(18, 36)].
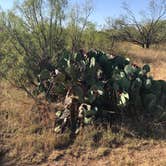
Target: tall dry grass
[(23, 135), (155, 57)]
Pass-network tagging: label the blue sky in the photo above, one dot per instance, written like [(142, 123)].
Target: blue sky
[(6, 4), (102, 8)]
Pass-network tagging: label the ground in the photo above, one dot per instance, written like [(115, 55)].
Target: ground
[(139, 152), (27, 138)]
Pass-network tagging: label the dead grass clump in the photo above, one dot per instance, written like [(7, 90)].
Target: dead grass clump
[(93, 138), (102, 151), (32, 148), (62, 140)]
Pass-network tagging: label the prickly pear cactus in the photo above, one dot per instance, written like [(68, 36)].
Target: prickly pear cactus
[(88, 83)]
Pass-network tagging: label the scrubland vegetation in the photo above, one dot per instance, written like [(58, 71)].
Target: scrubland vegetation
[(71, 94)]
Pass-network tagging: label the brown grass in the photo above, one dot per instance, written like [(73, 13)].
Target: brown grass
[(156, 58), (25, 137), (136, 152)]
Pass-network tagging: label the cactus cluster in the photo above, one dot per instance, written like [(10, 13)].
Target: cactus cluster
[(93, 85)]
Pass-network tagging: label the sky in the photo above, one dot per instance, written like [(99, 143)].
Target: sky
[(102, 8)]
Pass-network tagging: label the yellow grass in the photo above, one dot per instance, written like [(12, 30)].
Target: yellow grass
[(156, 58), (24, 136)]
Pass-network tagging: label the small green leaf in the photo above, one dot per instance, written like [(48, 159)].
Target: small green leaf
[(148, 83), (124, 97), (57, 129), (92, 62), (87, 120), (58, 114), (146, 68), (100, 92)]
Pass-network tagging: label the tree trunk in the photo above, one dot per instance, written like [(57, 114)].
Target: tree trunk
[(147, 45), (148, 42)]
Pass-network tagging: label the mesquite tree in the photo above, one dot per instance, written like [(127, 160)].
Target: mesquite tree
[(146, 29), (149, 28), (78, 22), (34, 37)]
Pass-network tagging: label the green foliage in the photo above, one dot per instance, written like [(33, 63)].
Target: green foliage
[(32, 37)]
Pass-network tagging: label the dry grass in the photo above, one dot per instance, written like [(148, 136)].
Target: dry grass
[(134, 153), (155, 57), (24, 135)]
